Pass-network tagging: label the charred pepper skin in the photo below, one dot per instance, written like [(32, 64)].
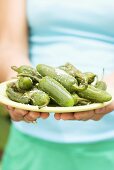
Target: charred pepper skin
[(56, 91), (95, 94), (15, 95), (24, 83), (68, 81), (27, 71)]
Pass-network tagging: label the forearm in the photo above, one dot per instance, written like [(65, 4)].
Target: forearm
[(13, 36), (9, 56), (110, 83), (110, 79)]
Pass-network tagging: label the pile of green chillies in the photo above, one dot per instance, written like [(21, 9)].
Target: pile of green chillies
[(61, 86)]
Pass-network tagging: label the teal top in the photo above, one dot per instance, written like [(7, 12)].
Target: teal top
[(79, 32)]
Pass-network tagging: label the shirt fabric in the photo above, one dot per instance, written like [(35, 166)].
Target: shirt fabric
[(82, 33)]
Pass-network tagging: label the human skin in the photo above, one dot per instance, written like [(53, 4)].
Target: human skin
[(14, 51)]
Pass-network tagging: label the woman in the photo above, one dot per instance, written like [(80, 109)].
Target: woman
[(33, 32)]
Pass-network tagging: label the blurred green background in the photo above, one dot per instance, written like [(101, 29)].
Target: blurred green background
[(4, 129)]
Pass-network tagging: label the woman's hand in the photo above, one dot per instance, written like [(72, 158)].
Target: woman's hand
[(29, 116), (24, 115), (93, 114), (86, 115)]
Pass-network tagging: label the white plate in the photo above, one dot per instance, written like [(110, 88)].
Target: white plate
[(5, 100)]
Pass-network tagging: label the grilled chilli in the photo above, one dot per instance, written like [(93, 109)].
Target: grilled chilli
[(56, 91), (82, 78), (68, 81), (27, 71), (101, 85), (95, 94), (15, 95), (24, 83), (65, 85), (35, 97), (38, 98)]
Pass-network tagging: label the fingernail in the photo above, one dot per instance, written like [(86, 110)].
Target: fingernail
[(34, 122)]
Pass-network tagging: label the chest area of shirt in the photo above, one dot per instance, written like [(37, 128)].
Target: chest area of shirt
[(78, 14)]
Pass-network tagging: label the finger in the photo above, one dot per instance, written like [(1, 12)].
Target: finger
[(17, 114), (14, 116), (99, 113), (44, 115), (20, 112), (110, 107), (97, 117), (67, 116), (31, 116), (57, 116), (101, 110), (10, 108), (84, 115), (26, 119)]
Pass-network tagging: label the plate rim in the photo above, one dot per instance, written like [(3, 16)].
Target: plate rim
[(6, 101)]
